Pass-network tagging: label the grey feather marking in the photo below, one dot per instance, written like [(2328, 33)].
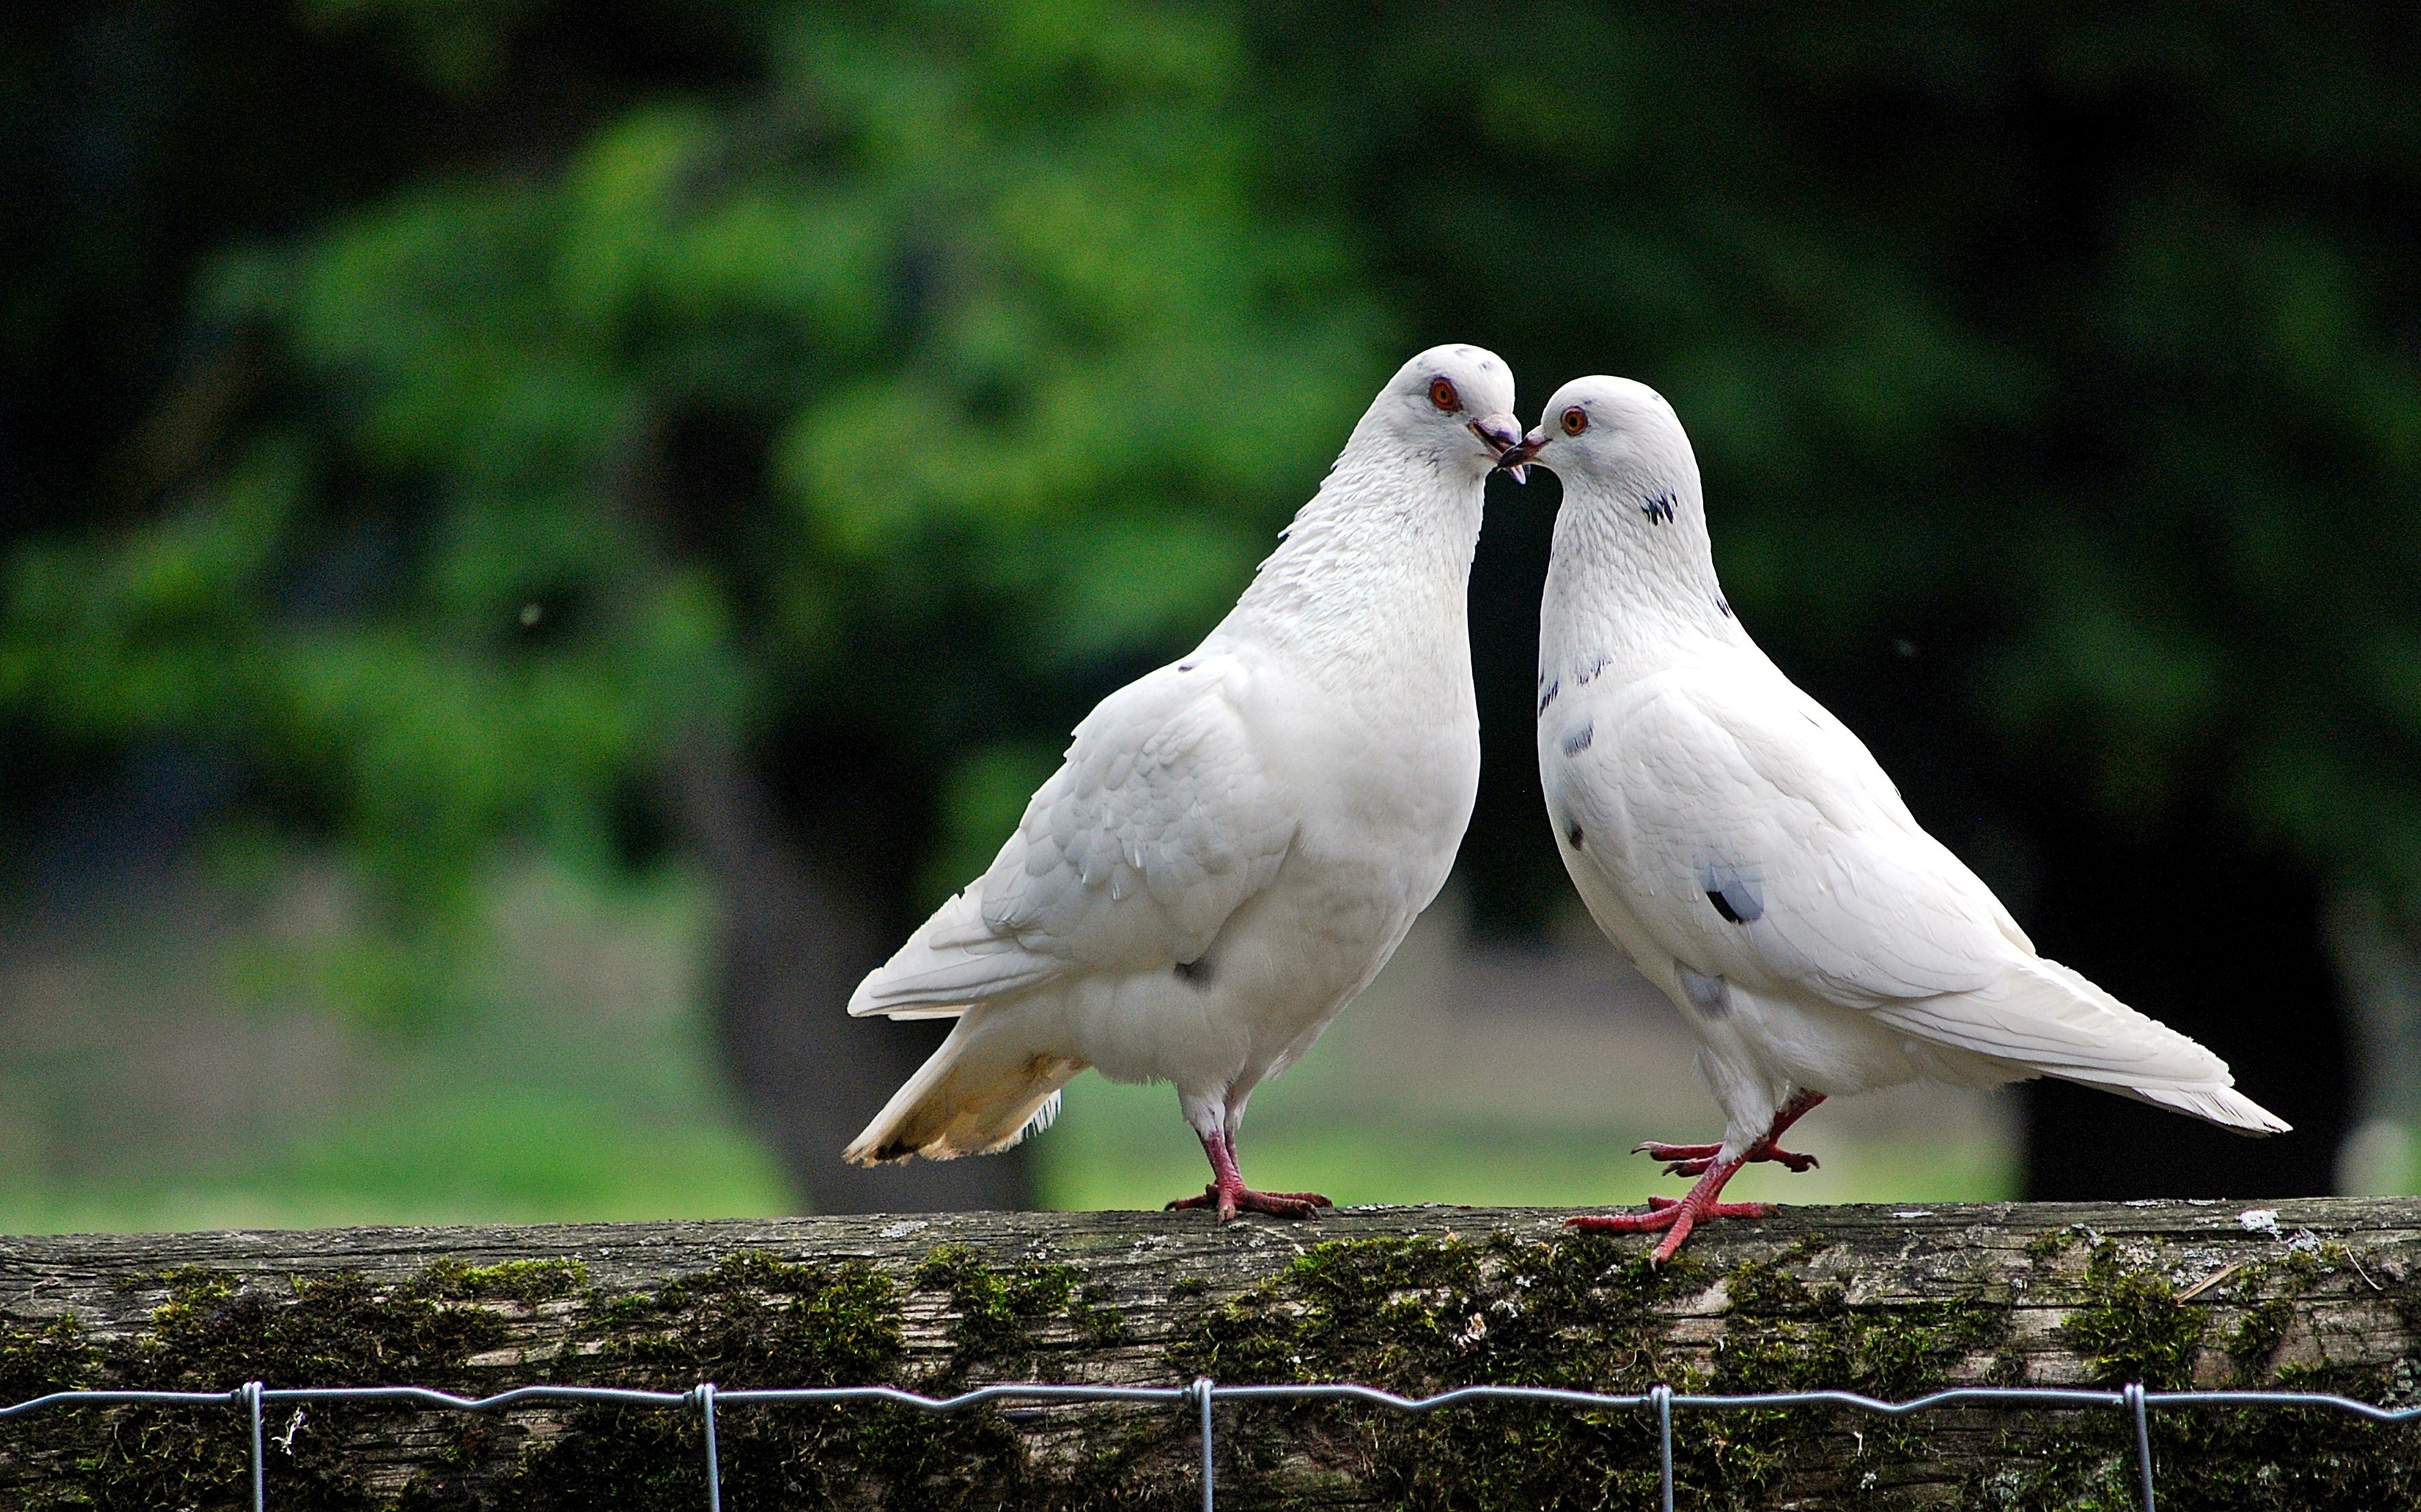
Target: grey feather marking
[(1734, 894), (1579, 740), (1706, 991)]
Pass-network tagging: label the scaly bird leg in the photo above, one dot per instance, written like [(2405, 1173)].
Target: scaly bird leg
[(1675, 1219), (1228, 1194)]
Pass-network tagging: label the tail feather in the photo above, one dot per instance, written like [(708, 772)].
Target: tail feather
[(971, 1097), (2051, 1020), (2221, 1105)]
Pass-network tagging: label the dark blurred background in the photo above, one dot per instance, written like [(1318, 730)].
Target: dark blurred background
[(541, 538)]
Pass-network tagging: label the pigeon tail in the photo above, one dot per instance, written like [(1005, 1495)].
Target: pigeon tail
[(2221, 1105), (976, 1095)]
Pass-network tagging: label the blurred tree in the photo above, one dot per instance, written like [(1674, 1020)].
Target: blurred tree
[(766, 428), (826, 445)]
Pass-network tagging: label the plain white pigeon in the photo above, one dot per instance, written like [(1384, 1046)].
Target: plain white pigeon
[(1238, 841), (1751, 859)]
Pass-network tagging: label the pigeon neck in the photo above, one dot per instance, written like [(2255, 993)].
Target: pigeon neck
[(1631, 581), (1374, 567)]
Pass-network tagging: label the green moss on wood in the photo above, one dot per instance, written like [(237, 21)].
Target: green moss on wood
[(1412, 1314), (1417, 1315), (2132, 1323)]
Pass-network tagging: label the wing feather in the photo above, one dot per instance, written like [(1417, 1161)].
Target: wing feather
[(1729, 774), (1159, 824)]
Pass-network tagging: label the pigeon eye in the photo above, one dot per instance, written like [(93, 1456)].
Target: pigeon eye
[(1575, 420), (1442, 394)]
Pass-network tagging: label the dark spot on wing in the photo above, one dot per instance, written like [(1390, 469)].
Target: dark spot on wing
[(1725, 604), (1196, 973), (1575, 744), (1658, 510), (1734, 896), (1594, 668), (1572, 833), (1549, 696)]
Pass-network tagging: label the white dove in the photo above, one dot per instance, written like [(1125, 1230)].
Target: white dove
[(1238, 841), (1753, 859)]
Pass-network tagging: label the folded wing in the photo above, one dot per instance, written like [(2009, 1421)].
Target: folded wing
[(1159, 824), (1765, 843)]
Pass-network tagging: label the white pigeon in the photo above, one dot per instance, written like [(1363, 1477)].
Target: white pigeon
[(1749, 855), (1238, 841)]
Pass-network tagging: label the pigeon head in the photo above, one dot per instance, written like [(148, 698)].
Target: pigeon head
[(1453, 404), (1613, 435)]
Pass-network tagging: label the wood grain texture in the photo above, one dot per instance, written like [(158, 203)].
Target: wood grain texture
[(1885, 1301)]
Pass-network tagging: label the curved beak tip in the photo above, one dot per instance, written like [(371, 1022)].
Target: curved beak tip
[(1516, 457), (1502, 435)]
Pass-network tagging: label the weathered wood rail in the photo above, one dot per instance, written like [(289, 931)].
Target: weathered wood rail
[(1887, 1301)]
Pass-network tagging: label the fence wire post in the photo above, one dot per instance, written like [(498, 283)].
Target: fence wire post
[(1662, 1396), (2135, 1399), (1201, 1393), (703, 1395), (249, 1394)]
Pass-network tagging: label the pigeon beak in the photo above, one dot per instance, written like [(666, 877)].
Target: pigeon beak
[(1501, 434), (1516, 459)]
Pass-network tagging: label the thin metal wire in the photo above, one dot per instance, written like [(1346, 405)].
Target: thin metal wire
[(705, 1395), (1209, 1476), (2143, 1440), (250, 1395), (2137, 1403), (1663, 1397)]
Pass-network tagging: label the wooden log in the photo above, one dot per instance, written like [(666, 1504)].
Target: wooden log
[(2322, 1294)]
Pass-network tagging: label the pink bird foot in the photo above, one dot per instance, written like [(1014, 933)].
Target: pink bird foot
[(1694, 1160), (1703, 1204), (1675, 1218), (1240, 1198), (1228, 1192)]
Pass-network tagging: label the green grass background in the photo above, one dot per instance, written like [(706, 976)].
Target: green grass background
[(570, 1075)]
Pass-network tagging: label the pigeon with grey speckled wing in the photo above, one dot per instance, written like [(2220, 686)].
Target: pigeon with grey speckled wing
[(1753, 859), (1238, 841)]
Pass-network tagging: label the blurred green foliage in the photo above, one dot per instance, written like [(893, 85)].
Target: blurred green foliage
[(933, 367), (2075, 346), (961, 331)]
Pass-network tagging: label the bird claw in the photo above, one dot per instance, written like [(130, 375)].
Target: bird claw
[(1675, 1218), (1209, 1198), (1707, 1163), (1675, 1152), (1698, 1159), (1235, 1201)]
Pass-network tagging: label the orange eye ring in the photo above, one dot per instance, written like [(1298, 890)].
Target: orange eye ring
[(1442, 394), (1575, 420)]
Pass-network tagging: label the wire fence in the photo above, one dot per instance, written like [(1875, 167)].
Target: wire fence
[(2133, 1401)]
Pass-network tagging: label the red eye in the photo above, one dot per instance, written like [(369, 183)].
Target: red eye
[(1575, 420), (1442, 394)]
